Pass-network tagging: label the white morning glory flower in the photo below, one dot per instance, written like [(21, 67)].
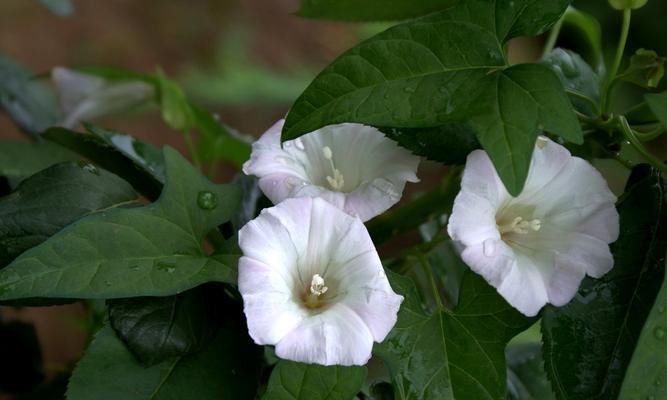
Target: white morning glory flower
[(537, 247), (313, 285), (352, 166), (85, 97)]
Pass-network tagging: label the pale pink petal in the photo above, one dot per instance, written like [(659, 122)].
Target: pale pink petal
[(336, 336)]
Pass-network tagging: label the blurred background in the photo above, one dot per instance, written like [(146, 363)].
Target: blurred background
[(247, 60)]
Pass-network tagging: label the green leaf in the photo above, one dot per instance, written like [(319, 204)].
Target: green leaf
[(370, 10), (588, 343), (647, 371), (451, 355), (449, 143), (227, 369), (577, 77), (155, 250), (29, 103), (590, 27), (425, 73), (646, 69), (52, 199), (137, 162), (158, 328), (19, 160), (657, 102), (61, 8), (525, 372), (23, 369), (218, 141), (296, 381), (176, 110)]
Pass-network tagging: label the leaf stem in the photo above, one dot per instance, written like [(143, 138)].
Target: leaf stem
[(631, 137), (431, 278), (587, 99), (606, 90), (191, 148), (553, 36)]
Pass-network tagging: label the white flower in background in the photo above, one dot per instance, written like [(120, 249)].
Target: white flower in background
[(537, 247), (352, 166), (313, 285), (85, 97)]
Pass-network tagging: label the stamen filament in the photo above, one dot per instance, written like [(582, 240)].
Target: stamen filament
[(337, 182)]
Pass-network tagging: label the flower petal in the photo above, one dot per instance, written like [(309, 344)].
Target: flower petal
[(373, 168), (336, 336), (473, 219), (492, 259), (268, 303), (523, 287)]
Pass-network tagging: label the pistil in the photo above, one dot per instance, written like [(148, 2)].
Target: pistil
[(521, 226), (336, 181)]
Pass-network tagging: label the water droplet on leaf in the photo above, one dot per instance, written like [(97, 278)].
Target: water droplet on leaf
[(409, 89), (88, 167), (659, 332), (207, 200)]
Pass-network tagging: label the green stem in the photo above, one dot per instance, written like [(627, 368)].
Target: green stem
[(650, 135), (631, 137), (191, 148), (553, 36), (606, 90), (587, 99), (434, 287)]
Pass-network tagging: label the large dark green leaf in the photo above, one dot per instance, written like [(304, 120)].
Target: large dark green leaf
[(137, 162), (449, 143), (577, 77), (29, 103), (158, 328), (588, 343), (425, 73), (526, 379), (227, 369), (647, 371), (154, 250), (450, 355), (370, 10), (19, 160), (296, 381), (52, 199)]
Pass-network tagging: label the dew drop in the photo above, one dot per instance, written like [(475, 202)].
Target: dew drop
[(659, 332), (657, 382), (386, 187), (134, 267), (409, 89), (661, 309), (299, 144), (108, 283), (164, 267), (88, 167), (207, 200)]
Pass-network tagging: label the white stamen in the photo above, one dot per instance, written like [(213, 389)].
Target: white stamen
[(317, 285), (337, 182), (519, 225)]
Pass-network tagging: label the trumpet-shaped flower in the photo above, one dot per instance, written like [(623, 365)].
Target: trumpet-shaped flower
[(313, 285), (84, 97), (352, 166), (536, 248)]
